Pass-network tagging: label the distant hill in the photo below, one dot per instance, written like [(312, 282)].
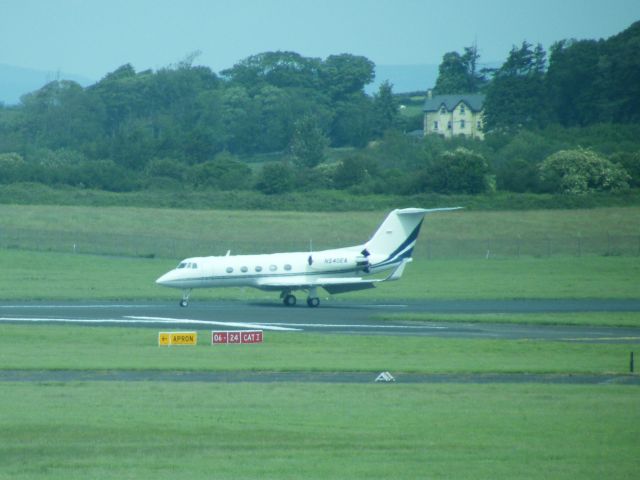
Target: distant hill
[(16, 81), (405, 78)]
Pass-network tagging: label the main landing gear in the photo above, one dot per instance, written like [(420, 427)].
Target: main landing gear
[(185, 298), (290, 300)]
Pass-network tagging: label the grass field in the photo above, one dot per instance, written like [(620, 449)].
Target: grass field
[(59, 276), (73, 348), (93, 429), (296, 430), (280, 431), (180, 233)]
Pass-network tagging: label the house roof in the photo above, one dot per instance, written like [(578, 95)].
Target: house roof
[(475, 101)]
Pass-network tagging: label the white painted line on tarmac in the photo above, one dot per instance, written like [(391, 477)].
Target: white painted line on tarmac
[(141, 320), (212, 322), (284, 327), (78, 306), (387, 306), (347, 325)]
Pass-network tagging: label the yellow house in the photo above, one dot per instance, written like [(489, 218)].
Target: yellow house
[(451, 115)]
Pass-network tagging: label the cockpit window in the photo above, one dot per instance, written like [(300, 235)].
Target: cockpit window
[(182, 265)]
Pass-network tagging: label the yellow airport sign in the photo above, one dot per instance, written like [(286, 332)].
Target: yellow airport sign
[(166, 339)]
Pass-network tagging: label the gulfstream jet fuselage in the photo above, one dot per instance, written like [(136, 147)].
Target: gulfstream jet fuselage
[(338, 270)]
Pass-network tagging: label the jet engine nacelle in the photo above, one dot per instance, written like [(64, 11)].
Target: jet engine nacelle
[(322, 262)]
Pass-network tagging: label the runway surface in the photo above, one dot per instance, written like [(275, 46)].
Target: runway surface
[(331, 317)]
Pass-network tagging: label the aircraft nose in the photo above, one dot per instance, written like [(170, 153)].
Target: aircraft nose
[(163, 280)]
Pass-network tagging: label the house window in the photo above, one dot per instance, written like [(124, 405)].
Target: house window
[(435, 125), (443, 110), (462, 124), (462, 110), (479, 124), (449, 125)]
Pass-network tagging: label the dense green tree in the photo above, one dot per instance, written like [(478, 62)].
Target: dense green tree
[(13, 168), (630, 161), (519, 175), (60, 115), (459, 73), (279, 69), (276, 178), (165, 168), (457, 171), (385, 108), (352, 122), (308, 143), (354, 170), (224, 172), (592, 81), (452, 75), (516, 97), (572, 79), (345, 75), (581, 171), (105, 175)]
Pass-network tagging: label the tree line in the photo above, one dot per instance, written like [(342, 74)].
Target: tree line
[(582, 82), (278, 122)]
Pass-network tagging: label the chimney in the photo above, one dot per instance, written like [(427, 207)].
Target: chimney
[(429, 94)]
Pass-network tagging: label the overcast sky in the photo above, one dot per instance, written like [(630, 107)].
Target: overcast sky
[(93, 37)]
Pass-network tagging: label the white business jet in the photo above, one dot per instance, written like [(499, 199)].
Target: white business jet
[(337, 271)]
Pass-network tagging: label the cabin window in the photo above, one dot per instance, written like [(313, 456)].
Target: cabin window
[(194, 265), (229, 269), (244, 269), (258, 268), (287, 267), (273, 268)]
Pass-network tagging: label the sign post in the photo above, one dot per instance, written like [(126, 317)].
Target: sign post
[(167, 339), (236, 336)]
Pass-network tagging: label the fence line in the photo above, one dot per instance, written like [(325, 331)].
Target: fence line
[(426, 247)]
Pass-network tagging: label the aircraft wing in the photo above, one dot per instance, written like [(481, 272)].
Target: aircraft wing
[(331, 285)]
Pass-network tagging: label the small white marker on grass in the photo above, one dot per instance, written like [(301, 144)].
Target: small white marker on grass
[(385, 377)]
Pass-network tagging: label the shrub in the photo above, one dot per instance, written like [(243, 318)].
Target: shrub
[(581, 171)]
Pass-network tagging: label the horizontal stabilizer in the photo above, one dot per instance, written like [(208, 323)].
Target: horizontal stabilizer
[(399, 270)]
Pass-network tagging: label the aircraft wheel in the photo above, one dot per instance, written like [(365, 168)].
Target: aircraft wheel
[(289, 300), (313, 302), (183, 303)]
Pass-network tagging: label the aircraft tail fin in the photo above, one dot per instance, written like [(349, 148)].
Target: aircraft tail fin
[(397, 235)]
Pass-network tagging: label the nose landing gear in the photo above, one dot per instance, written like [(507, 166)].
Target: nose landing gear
[(185, 298)]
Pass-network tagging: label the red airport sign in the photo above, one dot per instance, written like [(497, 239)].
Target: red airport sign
[(236, 336)]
